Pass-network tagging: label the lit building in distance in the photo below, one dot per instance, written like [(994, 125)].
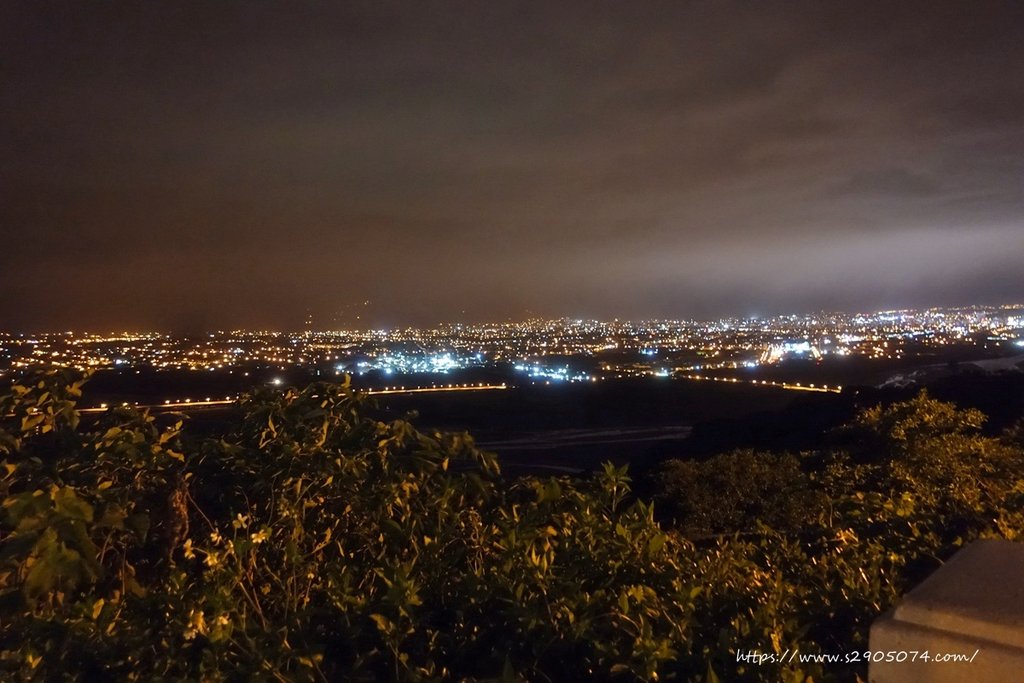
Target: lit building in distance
[(790, 349)]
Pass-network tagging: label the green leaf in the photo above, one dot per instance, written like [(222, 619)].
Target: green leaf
[(656, 543), (67, 503), (384, 625)]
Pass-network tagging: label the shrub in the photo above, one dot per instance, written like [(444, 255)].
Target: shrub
[(311, 541)]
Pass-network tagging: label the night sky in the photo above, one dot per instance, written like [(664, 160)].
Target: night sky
[(187, 166)]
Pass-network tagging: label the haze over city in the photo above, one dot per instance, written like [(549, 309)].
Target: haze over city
[(194, 166)]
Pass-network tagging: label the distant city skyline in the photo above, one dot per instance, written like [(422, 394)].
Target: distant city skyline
[(1013, 309), (194, 166)]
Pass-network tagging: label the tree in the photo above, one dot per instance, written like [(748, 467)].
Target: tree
[(735, 492)]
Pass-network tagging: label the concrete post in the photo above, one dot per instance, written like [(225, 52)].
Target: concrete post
[(963, 623)]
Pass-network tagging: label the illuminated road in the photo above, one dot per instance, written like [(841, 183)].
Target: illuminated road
[(821, 388), (449, 387), (188, 404), (209, 402)]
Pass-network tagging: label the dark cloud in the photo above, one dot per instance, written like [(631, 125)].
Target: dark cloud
[(887, 182), (223, 164)]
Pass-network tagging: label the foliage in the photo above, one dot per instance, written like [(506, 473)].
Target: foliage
[(735, 491), (814, 548), (312, 541)]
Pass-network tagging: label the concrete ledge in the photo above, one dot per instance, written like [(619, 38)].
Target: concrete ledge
[(972, 606)]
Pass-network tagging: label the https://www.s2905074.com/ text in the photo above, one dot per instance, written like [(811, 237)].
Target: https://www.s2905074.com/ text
[(795, 656)]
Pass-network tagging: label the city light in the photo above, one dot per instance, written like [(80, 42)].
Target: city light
[(556, 351)]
